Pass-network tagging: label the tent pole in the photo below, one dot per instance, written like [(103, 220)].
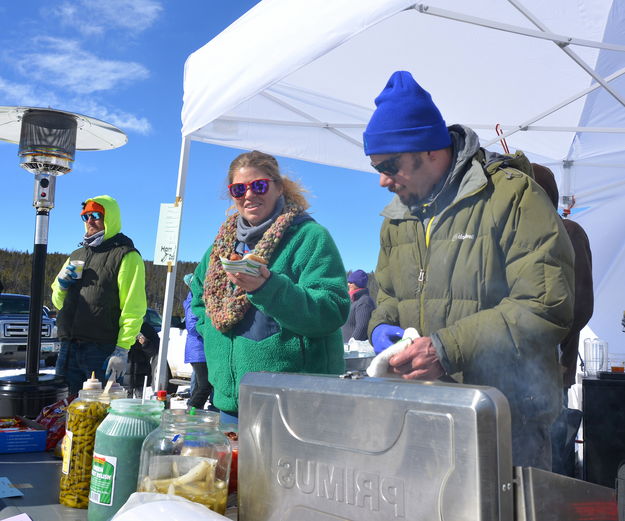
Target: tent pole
[(310, 118), (170, 284), (566, 191), (564, 103), (571, 54), (558, 39)]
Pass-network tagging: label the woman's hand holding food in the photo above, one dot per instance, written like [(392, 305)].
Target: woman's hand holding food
[(249, 282)]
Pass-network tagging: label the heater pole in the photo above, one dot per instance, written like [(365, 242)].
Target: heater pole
[(37, 280), (45, 185), (47, 141)]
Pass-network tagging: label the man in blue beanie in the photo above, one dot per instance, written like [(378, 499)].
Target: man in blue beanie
[(473, 257), (361, 307)]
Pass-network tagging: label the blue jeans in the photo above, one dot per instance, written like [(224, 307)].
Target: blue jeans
[(224, 417), (77, 360), (201, 388)]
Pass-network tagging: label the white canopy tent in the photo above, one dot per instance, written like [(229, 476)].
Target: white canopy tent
[(298, 79)]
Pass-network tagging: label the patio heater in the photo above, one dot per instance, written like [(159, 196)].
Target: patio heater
[(47, 141)]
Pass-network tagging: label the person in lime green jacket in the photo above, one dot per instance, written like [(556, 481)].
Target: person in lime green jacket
[(288, 317), (100, 295)]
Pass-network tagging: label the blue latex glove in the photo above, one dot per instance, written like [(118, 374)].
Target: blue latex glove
[(117, 362), (385, 335), (67, 276)]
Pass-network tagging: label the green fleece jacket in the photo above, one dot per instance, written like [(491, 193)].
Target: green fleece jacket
[(132, 303), (293, 324), (486, 270)]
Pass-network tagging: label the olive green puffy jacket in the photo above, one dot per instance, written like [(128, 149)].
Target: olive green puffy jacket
[(488, 275)]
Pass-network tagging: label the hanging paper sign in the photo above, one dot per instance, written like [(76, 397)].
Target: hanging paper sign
[(167, 234)]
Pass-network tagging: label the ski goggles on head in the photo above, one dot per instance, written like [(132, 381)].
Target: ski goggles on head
[(258, 186), (96, 216), (388, 166)]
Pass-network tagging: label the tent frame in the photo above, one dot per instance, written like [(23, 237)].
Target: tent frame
[(562, 41)]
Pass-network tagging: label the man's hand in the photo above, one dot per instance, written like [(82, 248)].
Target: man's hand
[(67, 276), (418, 361), (249, 282), (117, 363), (385, 335)]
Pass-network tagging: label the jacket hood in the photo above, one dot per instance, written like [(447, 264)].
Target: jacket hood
[(112, 215), (545, 178), (466, 144)]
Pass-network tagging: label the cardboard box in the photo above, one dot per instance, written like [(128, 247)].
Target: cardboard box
[(29, 436)]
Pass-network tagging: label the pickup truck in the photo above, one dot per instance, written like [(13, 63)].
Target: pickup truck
[(14, 311)]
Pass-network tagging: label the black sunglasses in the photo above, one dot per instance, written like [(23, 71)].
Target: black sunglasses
[(258, 186), (96, 216), (388, 166)]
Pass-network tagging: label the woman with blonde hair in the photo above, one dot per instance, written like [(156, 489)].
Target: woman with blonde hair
[(287, 318)]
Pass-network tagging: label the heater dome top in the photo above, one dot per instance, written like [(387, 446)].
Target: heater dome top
[(91, 133)]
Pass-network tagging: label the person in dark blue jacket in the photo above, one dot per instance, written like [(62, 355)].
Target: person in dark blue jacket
[(361, 307), (201, 388)]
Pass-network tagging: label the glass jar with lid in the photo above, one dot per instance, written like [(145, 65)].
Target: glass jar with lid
[(188, 456), (84, 415)]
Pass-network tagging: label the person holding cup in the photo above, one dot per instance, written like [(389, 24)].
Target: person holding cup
[(288, 317), (100, 295)]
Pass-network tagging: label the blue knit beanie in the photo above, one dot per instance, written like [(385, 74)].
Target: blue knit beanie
[(359, 278), (405, 120), (187, 279)]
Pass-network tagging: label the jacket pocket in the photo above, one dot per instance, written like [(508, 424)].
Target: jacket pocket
[(256, 326)]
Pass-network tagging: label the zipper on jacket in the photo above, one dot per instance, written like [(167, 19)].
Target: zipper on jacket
[(420, 253), (233, 362), (428, 233), (421, 279)]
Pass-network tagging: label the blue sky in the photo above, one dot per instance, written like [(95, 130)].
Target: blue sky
[(122, 61)]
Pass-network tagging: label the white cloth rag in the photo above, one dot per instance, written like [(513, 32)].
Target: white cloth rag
[(379, 365)]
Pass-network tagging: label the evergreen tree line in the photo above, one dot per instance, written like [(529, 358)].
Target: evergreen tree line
[(16, 272)]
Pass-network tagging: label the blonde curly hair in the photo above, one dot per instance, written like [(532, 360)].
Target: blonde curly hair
[(292, 190)]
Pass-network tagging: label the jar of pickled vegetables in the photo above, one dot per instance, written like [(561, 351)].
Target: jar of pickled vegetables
[(187, 456), (84, 415)]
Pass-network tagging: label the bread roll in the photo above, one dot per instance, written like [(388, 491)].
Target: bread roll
[(256, 258)]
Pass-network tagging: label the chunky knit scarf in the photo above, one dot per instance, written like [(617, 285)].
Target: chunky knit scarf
[(226, 303)]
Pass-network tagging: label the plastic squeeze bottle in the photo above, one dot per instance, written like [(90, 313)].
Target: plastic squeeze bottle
[(117, 453)]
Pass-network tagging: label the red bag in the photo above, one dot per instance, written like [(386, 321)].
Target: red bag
[(53, 417)]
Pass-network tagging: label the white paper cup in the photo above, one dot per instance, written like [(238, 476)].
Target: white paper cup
[(79, 267)]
